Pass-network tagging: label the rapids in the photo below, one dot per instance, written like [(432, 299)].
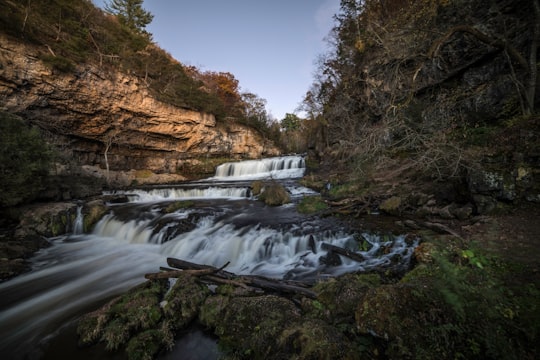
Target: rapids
[(224, 224)]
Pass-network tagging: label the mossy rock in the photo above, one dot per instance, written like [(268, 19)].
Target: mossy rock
[(93, 211), (338, 298), (148, 344), (391, 206), (183, 302), (315, 339), (211, 311), (116, 322), (257, 187), (402, 315), (274, 194), (251, 326)]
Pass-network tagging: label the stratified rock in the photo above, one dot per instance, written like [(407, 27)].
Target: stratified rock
[(92, 106)]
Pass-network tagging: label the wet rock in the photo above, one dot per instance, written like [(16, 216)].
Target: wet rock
[(330, 259), (92, 212), (51, 219)]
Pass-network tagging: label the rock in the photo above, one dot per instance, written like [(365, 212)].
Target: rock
[(315, 339), (274, 194), (147, 134), (391, 206), (252, 325), (399, 314), (463, 213)]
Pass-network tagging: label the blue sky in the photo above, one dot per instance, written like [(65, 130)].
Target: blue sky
[(270, 46)]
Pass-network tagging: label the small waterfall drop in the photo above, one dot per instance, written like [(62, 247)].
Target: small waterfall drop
[(78, 224), (222, 223), (277, 168)]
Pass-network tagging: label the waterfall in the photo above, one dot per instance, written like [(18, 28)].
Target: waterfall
[(78, 224), (223, 224), (277, 168), (159, 194)]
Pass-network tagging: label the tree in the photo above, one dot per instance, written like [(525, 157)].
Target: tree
[(131, 14), (291, 122)]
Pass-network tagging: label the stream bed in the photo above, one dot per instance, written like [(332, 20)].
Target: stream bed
[(224, 223)]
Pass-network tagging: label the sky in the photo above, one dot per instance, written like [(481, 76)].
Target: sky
[(270, 46)]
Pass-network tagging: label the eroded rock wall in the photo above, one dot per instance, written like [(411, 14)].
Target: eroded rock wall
[(84, 111)]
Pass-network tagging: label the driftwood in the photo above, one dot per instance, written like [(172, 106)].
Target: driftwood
[(176, 273), (341, 251), (212, 275)]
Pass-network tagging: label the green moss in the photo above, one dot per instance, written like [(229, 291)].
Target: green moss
[(255, 324), (314, 339), (92, 213), (184, 300), (147, 344), (311, 205), (274, 194), (212, 309)]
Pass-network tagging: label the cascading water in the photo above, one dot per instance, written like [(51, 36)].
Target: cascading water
[(223, 224), (276, 168), (78, 224)]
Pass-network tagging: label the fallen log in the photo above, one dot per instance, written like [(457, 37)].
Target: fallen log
[(193, 272), (211, 274), (186, 265), (341, 251)]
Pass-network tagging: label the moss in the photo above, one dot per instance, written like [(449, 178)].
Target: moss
[(314, 339), (134, 312), (92, 212), (251, 326), (146, 345), (212, 309), (337, 298), (184, 300), (257, 187), (274, 194), (392, 205), (311, 205)]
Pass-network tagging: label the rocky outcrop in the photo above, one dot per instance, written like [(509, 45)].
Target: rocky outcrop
[(92, 111)]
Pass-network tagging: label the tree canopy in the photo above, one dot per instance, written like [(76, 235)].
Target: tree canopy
[(131, 14)]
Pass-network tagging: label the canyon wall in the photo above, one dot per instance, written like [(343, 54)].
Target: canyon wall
[(92, 112)]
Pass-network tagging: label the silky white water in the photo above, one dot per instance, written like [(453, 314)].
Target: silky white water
[(224, 225)]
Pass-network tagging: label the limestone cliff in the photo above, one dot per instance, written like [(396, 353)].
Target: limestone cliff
[(93, 111)]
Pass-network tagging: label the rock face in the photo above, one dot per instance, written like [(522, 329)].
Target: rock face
[(93, 111)]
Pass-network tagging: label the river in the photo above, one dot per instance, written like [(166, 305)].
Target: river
[(223, 224)]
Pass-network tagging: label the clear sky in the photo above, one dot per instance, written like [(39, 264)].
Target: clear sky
[(270, 46)]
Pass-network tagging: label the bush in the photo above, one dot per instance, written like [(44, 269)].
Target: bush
[(24, 161)]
